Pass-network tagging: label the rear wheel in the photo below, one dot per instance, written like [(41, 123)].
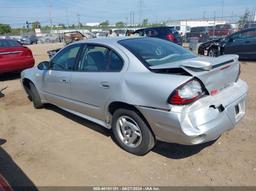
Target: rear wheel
[(131, 132), (34, 96)]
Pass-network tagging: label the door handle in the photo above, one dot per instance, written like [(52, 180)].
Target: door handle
[(105, 85)]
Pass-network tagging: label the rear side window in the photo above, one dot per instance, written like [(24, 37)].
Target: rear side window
[(9, 43), (96, 58), (154, 51)]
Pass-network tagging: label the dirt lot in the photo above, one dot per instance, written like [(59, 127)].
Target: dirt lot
[(50, 147)]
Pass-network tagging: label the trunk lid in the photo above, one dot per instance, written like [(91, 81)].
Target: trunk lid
[(215, 73)]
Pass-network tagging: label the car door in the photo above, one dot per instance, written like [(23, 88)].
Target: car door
[(97, 77), (234, 44), (242, 43), (248, 46), (56, 81)]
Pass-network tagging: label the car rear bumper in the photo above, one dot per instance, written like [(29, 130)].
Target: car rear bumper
[(17, 65), (203, 121)]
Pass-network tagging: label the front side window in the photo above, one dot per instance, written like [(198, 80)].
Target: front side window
[(153, 51), (66, 59), (96, 58)]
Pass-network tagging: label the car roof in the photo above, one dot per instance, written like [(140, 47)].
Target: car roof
[(161, 27), (248, 29), (111, 40)]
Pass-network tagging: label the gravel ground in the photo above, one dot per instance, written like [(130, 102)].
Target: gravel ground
[(50, 147)]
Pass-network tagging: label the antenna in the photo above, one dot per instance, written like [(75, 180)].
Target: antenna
[(78, 19)]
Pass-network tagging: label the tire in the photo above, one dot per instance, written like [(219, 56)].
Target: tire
[(34, 96), (132, 127), (213, 52)]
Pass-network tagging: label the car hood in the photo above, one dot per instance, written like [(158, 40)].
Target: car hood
[(215, 73), (211, 41)]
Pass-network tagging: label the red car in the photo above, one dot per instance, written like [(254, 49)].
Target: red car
[(221, 30), (14, 57), (4, 186)]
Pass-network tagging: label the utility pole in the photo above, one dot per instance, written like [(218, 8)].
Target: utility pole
[(222, 9), (67, 18), (140, 11), (130, 17), (78, 20), (214, 25), (50, 13)]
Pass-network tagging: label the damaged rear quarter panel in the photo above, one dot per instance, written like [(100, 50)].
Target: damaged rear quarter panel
[(149, 89)]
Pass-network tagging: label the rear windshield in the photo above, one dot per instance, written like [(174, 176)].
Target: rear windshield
[(9, 43), (154, 51)]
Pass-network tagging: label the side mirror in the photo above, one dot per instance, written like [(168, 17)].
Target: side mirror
[(44, 65)]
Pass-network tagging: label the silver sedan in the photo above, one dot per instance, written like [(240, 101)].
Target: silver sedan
[(144, 89)]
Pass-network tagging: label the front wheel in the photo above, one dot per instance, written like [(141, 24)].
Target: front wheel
[(34, 96), (213, 52), (131, 132)]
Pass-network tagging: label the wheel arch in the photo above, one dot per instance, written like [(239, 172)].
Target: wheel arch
[(113, 106), (26, 84)]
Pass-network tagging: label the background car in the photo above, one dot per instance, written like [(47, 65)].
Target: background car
[(70, 37), (28, 39), (49, 38), (201, 33), (166, 33), (220, 30), (242, 43), (102, 34), (120, 32), (14, 57), (144, 89)]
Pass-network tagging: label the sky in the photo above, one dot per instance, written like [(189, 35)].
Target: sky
[(17, 12)]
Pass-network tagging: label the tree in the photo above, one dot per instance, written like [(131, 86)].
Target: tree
[(36, 25), (5, 29), (244, 19), (104, 24), (120, 24), (62, 26), (145, 22)]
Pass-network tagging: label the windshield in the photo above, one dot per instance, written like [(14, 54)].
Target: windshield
[(153, 51)]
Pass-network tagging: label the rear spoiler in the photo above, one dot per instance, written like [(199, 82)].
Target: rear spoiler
[(199, 63)]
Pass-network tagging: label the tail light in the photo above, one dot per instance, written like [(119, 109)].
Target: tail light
[(187, 93), (170, 37), (27, 52)]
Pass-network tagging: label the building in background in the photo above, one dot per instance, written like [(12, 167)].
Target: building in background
[(184, 26)]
